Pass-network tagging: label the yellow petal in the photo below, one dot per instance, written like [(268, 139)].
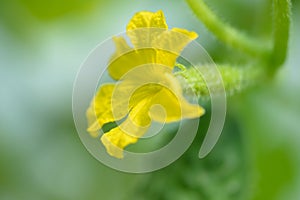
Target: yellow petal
[(158, 85), (128, 60), (138, 84), (147, 89), (169, 105), (100, 110), (115, 141), (93, 124), (174, 40), (136, 124), (171, 43), (189, 34), (153, 43), (121, 47), (144, 27)]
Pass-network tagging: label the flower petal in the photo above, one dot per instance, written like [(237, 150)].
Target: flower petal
[(128, 60), (146, 83), (121, 47), (100, 110), (156, 85), (116, 140), (171, 43), (153, 43), (140, 83), (169, 105), (136, 125), (144, 27)]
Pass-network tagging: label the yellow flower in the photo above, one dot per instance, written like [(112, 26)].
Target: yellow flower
[(146, 89)]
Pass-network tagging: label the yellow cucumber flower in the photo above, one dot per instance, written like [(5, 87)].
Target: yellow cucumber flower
[(146, 89)]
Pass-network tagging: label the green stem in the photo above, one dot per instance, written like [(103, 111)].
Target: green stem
[(235, 79), (281, 27), (226, 33)]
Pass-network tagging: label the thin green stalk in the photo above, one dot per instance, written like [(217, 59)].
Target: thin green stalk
[(227, 33), (281, 27)]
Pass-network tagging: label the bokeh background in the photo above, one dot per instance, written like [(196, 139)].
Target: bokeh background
[(42, 45)]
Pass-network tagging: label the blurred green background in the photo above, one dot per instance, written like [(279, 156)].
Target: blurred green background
[(43, 43)]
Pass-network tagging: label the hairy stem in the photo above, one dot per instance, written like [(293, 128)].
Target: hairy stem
[(235, 78)]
